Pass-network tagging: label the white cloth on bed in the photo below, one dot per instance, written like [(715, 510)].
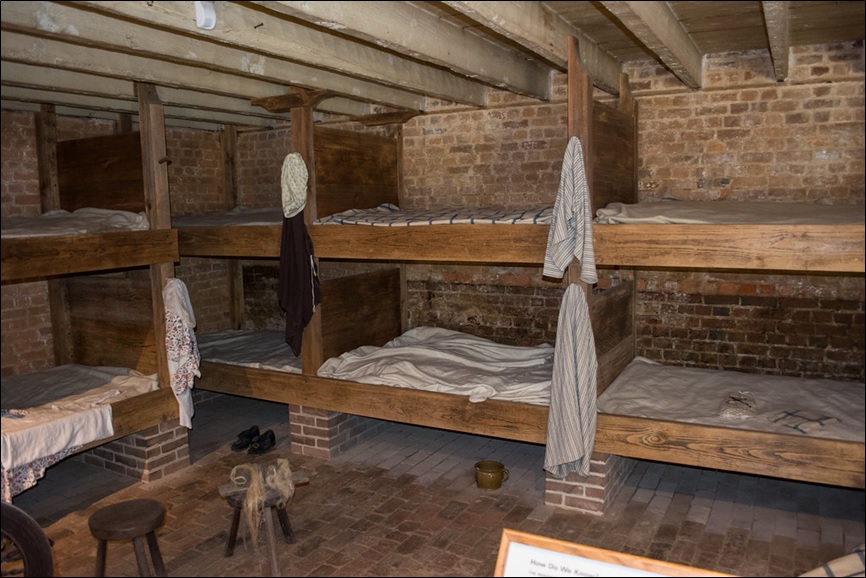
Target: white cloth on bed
[(67, 406), (263, 349), (675, 211), (570, 233), (442, 360), (388, 215), (79, 222), (650, 389), (572, 416), (181, 346)]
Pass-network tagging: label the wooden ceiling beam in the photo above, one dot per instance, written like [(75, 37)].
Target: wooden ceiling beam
[(240, 27), (656, 26), (545, 34), (201, 57), (777, 18), (59, 80), (122, 106), (403, 28), (47, 52)]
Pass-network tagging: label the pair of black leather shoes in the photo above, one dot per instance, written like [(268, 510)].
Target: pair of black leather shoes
[(255, 443)]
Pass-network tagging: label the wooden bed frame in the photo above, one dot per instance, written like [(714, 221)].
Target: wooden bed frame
[(611, 150), (114, 319)]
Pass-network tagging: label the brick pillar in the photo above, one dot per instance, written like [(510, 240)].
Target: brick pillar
[(594, 493), (326, 434), (148, 455)]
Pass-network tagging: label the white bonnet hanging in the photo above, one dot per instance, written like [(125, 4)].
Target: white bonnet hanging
[(294, 184)]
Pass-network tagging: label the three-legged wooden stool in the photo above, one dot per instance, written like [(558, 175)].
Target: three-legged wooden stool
[(134, 520), (270, 507)]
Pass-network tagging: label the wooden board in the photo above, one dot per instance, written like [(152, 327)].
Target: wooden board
[(38, 257), (102, 171), (354, 170)]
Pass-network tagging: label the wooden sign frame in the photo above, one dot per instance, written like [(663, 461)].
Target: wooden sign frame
[(523, 554)]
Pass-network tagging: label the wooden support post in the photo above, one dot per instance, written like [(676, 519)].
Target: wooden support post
[(151, 116), (303, 143), (580, 116)]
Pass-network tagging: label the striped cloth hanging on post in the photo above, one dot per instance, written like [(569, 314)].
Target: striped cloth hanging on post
[(571, 418)]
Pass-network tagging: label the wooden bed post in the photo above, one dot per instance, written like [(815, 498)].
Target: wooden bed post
[(151, 120), (580, 125), (49, 192), (228, 145), (303, 143)]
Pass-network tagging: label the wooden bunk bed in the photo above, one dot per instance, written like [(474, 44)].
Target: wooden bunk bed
[(104, 287), (610, 170)]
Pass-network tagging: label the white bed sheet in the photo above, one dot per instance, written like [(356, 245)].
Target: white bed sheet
[(674, 211), (66, 406), (694, 395), (436, 359), (388, 215), (264, 349), (79, 222)]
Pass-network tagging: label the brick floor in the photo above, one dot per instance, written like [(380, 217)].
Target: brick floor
[(404, 503)]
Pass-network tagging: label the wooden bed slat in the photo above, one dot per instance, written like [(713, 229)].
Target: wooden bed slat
[(247, 241), (787, 456), (500, 244), (802, 248), (37, 257), (520, 422)]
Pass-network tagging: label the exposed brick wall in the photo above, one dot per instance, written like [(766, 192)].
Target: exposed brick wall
[(195, 174), (749, 327), (20, 186), (747, 137), (27, 344), (260, 159), (455, 306)]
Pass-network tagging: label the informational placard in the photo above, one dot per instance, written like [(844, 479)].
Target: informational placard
[(522, 554)]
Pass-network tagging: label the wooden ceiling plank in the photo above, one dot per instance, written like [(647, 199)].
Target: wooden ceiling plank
[(545, 34), (255, 30), (52, 53), (122, 106), (777, 18), (656, 26), (100, 31), (56, 79), (405, 29)]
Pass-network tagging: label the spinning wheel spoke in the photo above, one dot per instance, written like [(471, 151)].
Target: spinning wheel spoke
[(26, 550)]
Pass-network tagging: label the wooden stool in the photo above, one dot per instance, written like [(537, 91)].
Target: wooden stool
[(130, 520), (270, 507)]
